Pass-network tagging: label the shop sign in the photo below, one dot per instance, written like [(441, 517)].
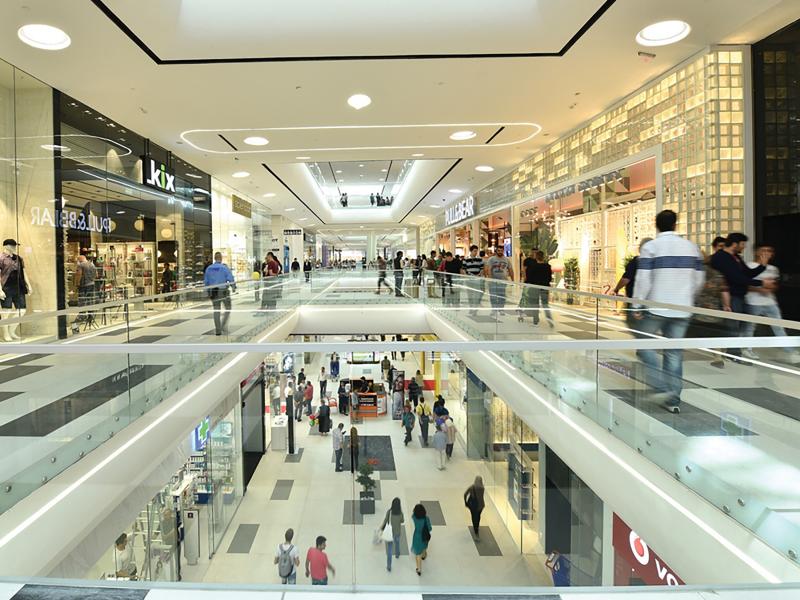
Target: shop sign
[(241, 207), (460, 211), (70, 219), (156, 175), (292, 232), (200, 434), (641, 559)]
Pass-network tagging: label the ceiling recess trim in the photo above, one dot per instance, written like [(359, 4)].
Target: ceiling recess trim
[(292, 192), (268, 59), (433, 187)]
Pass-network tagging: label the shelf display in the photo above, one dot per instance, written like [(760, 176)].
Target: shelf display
[(521, 483)]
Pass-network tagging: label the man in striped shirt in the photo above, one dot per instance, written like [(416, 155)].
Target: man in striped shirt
[(474, 265), (670, 270)]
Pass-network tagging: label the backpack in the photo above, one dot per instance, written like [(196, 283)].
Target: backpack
[(285, 562)]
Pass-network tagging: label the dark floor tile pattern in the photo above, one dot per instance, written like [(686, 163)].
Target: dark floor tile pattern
[(352, 515), (119, 331), (388, 475), (146, 339), (16, 372), (634, 371), (58, 592), (691, 422), (487, 545), (51, 417), (7, 395), (294, 458), (282, 489), (783, 404), (435, 514), (21, 360), (374, 449), (169, 322), (243, 539)]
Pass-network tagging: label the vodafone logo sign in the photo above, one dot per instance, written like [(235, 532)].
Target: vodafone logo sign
[(639, 548)]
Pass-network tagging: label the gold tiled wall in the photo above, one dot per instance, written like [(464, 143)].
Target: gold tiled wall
[(696, 114)]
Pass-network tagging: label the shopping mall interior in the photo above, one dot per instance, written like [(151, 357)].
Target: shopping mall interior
[(493, 301)]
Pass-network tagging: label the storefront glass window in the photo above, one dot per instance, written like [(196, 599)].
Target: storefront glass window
[(224, 456)]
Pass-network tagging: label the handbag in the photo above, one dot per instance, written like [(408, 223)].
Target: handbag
[(387, 534), (426, 533)]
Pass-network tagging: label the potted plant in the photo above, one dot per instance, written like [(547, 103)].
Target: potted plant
[(572, 276), (367, 494)]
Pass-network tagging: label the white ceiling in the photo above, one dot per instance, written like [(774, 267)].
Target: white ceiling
[(106, 69)]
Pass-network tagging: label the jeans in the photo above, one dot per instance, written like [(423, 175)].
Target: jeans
[(298, 410), (764, 310), (474, 293), (382, 280), (222, 298), (393, 545), (497, 293), (423, 427), (475, 513), (735, 328), (541, 297), (323, 581), (408, 436), (441, 459), (291, 579), (398, 283), (323, 386), (668, 378), (338, 459), (449, 450)]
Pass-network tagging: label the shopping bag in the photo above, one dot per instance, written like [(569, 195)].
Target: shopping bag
[(387, 533)]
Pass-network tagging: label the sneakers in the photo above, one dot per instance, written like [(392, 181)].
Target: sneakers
[(672, 408), (748, 353)]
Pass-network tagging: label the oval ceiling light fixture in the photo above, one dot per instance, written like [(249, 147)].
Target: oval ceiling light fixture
[(55, 147), (241, 174), (302, 157), (460, 136), (455, 191), (256, 140), (359, 101), (44, 37), (663, 33), (269, 195), (484, 169)]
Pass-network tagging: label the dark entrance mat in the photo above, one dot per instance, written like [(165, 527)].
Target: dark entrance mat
[(783, 404), (119, 331), (374, 449), (57, 592), (282, 489), (434, 511), (352, 514), (294, 458), (15, 372), (487, 545), (243, 539), (691, 422), (47, 419)]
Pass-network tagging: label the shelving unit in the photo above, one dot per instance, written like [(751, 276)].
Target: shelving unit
[(140, 271), (521, 483)]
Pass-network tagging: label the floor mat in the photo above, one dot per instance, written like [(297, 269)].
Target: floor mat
[(374, 449), (783, 404)]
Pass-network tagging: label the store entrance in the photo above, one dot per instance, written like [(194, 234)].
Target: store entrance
[(254, 443)]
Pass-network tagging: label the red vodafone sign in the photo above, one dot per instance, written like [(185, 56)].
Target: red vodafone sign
[(635, 562)]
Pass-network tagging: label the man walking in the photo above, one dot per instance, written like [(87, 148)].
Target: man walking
[(671, 271), (538, 273), (287, 557), (219, 281), (498, 270), (382, 275), (308, 396), (317, 563), (474, 265), (397, 265), (338, 440)]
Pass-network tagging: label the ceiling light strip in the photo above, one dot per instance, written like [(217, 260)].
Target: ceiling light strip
[(227, 141), (494, 135), (586, 26), (292, 192), (127, 31), (453, 166)]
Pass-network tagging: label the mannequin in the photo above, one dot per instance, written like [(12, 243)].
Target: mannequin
[(14, 286)]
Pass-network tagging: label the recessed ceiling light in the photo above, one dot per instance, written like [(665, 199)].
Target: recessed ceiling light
[(44, 37), (269, 195), (289, 209), (484, 168), (455, 191), (303, 219), (55, 147), (338, 171), (417, 155), (256, 140), (362, 166), (359, 101), (361, 227), (120, 212), (460, 136), (303, 157), (241, 174), (663, 33), (434, 205), (384, 170), (192, 175)]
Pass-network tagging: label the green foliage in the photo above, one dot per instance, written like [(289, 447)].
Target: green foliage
[(365, 472), (572, 274)]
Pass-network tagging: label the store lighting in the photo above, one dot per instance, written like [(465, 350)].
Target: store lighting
[(663, 33), (384, 170), (120, 212), (256, 140), (362, 166), (460, 136), (269, 195), (484, 169), (417, 155), (338, 171), (303, 157), (44, 37), (455, 191), (240, 174), (303, 219), (359, 101), (289, 209), (55, 147), (192, 175), (166, 233), (434, 205)]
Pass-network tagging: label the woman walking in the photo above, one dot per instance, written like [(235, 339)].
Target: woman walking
[(353, 449), (394, 521), (422, 535), (440, 444), (473, 500)]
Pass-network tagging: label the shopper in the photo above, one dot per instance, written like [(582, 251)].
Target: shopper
[(386, 365), (538, 275), (670, 271), (473, 500), (298, 399), (424, 413), (474, 266), (628, 281), (397, 265), (353, 444), (337, 439), (270, 287), (317, 563), (413, 392), (451, 266), (343, 398), (219, 281), (308, 397), (323, 382), (167, 280), (334, 366), (353, 406), (324, 417), (382, 275), (430, 266), (295, 268), (422, 535), (394, 520), (450, 429), (440, 445), (124, 559), (287, 557), (762, 303), (739, 278), (301, 376), (407, 421), (498, 269), (714, 296), (307, 266)]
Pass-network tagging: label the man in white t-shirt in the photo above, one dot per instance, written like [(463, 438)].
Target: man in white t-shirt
[(761, 302), (287, 557), (499, 271)]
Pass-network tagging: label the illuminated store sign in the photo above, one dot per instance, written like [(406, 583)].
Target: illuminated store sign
[(292, 232), (156, 175), (241, 207), (460, 211), (636, 563), (70, 219)]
